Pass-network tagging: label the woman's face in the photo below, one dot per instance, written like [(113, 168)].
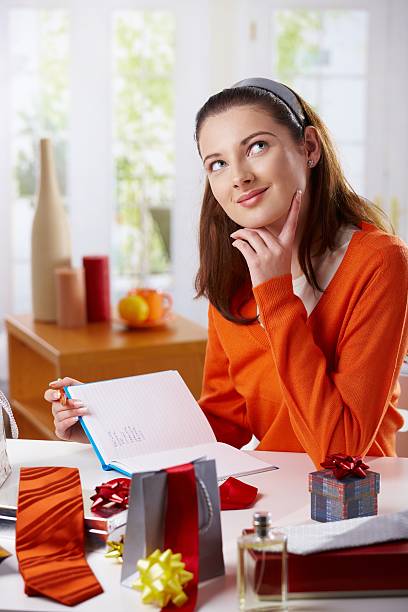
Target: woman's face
[(253, 165)]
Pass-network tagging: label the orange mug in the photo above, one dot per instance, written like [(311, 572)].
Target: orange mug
[(159, 302)]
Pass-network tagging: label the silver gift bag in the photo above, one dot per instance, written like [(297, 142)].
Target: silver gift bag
[(5, 467), (146, 520)]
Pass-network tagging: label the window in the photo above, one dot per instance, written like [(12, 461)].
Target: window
[(349, 58), (322, 54), (123, 139), (143, 111), (39, 52)]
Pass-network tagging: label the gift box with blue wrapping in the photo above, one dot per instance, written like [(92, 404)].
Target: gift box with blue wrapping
[(351, 497)]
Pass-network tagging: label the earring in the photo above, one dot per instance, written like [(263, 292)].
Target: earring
[(310, 163)]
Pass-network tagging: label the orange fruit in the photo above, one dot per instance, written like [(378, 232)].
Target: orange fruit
[(134, 309)]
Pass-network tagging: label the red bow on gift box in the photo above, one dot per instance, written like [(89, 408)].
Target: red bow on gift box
[(112, 495), (345, 465)]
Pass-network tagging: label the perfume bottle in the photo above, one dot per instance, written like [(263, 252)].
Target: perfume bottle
[(262, 566)]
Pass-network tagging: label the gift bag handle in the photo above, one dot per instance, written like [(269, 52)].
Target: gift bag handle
[(208, 504), (4, 404)]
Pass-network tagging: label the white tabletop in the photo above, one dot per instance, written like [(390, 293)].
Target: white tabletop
[(283, 492)]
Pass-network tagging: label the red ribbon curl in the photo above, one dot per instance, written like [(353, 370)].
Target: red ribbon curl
[(345, 465), (111, 495)]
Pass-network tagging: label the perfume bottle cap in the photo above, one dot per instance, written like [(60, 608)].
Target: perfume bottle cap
[(262, 518), (262, 522)]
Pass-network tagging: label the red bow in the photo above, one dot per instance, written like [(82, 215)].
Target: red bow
[(235, 495), (345, 465), (112, 495)]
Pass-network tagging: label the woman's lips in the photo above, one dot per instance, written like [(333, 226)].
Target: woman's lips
[(252, 200)]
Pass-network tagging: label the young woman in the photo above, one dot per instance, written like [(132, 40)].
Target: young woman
[(307, 288)]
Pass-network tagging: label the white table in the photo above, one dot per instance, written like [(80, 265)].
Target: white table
[(283, 492)]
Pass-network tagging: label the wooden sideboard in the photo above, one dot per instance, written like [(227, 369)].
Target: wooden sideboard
[(42, 352)]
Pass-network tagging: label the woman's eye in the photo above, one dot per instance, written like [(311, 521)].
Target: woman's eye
[(217, 165), (258, 147)]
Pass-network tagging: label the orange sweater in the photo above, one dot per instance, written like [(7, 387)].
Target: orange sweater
[(320, 384)]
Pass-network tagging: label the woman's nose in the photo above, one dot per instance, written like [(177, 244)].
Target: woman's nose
[(242, 177)]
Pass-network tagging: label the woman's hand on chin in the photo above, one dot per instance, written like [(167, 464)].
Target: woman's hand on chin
[(269, 255)]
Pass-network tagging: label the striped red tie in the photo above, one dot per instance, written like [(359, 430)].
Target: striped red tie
[(50, 535)]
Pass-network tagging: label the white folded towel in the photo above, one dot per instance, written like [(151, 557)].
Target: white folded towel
[(312, 538)]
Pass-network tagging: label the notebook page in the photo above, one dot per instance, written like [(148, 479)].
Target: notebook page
[(229, 460), (142, 414)]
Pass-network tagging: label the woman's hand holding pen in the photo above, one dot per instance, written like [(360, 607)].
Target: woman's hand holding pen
[(267, 254), (66, 411)]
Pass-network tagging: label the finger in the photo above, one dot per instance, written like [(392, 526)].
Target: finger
[(288, 232), (61, 429), (52, 395), (251, 237), (269, 238), (55, 395), (57, 407), (63, 415), (63, 382), (246, 250)]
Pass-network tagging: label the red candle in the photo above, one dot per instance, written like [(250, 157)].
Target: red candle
[(97, 287)]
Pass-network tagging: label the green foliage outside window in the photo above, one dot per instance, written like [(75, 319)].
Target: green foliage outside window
[(144, 137), (296, 48)]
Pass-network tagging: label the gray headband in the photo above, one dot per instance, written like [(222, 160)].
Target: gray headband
[(280, 91)]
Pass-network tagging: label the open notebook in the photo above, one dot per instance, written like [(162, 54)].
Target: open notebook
[(151, 422)]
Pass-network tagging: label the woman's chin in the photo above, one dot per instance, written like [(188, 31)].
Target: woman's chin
[(257, 221)]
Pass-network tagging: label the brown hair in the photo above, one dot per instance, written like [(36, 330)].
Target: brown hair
[(333, 203)]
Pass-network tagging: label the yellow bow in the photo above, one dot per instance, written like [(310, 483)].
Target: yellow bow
[(115, 550), (161, 579)]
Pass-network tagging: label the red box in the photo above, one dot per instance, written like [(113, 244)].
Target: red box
[(367, 571)]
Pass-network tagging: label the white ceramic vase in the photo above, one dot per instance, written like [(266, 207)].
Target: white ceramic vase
[(50, 239)]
